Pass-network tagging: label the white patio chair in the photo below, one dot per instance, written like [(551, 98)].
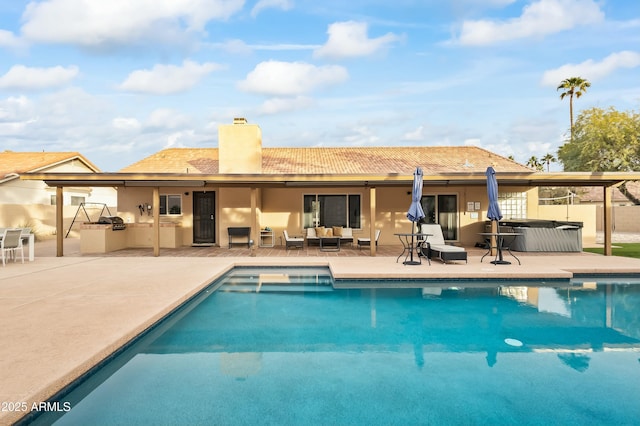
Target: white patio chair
[(292, 241), (367, 241), (11, 242)]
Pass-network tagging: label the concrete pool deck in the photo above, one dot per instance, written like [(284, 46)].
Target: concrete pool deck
[(61, 316)]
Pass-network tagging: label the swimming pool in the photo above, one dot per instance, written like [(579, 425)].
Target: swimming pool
[(282, 346)]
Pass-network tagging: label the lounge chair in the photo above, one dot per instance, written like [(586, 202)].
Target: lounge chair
[(292, 241), (435, 245), (10, 244), (367, 241)]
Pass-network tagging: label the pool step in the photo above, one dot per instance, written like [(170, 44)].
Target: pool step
[(275, 288)]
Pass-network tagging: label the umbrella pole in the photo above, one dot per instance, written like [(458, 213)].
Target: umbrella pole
[(412, 232), (494, 238)]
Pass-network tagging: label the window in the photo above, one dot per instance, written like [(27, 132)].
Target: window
[(443, 210), (171, 204), (76, 201), (331, 210), (513, 205)]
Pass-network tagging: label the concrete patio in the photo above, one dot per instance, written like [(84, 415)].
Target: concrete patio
[(62, 315)]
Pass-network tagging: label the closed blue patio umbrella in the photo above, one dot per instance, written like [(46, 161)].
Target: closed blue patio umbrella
[(415, 212), (493, 211)]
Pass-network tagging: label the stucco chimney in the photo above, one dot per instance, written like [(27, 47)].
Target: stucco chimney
[(239, 147)]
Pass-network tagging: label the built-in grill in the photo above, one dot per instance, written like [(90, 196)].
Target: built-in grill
[(116, 222)]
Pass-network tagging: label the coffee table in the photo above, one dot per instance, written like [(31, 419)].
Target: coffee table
[(329, 243)]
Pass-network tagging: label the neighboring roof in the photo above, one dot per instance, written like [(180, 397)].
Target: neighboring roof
[(14, 163), (591, 194), (375, 160)]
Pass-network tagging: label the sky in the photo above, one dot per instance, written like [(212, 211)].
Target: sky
[(120, 80)]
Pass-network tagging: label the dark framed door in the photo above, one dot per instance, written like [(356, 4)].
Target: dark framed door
[(204, 217)]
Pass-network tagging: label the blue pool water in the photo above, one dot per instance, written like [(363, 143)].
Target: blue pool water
[(282, 346)]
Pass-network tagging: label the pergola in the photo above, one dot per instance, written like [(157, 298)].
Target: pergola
[(607, 180)]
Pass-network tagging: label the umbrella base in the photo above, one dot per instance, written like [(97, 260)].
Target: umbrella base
[(500, 262), (412, 262)]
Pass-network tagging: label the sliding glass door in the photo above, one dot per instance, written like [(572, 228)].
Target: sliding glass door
[(331, 210), (442, 209)]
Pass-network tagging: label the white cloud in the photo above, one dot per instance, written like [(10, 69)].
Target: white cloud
[(8, 40), (416, 135), (25, 78), (165, 118), (361, 136), (16, 113), (182, 139), (166, 79), (592, 70), (538, 19), (271, 4), (95, 23), (276, 78), (278, 105), (124, 123), (349, 39)]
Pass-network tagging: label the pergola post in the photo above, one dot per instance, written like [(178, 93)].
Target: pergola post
[(156, 221), (255, 233), (59, 221), (372, 220), (607, 220)]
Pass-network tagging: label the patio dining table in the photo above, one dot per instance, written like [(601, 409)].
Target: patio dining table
[(499, 260), (410, 242)]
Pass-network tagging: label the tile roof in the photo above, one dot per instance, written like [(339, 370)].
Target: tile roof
[(593, 194), (23, 162), (374, 160)]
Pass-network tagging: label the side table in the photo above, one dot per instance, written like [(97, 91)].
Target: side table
[(267, 238)]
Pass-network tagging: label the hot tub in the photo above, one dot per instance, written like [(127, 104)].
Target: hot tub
[(544, 235)]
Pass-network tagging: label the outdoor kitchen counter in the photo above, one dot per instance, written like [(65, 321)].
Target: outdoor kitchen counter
[(141, 235), (99, 238)]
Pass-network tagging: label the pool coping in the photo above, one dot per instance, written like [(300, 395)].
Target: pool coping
[(47, 313)]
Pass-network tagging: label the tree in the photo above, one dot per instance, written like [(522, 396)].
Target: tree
[(548, 159), (534, 163), (574, 86), (604, 141)]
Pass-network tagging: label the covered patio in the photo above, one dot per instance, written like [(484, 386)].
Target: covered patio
[(371, 184)]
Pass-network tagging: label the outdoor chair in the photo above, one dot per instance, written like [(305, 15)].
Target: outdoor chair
[(292, 241), (11, 242), (436, 246), (367, 241)]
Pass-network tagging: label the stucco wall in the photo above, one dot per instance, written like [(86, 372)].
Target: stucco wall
[(625, 218)]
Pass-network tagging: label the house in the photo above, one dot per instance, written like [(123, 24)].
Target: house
[(189, 196), (32, 203)]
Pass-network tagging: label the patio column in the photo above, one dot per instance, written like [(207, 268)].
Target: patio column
[(255, 234), (59, 221), (156, 221), (372, 220), (607, 214)]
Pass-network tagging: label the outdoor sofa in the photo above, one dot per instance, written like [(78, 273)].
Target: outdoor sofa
[(435, 246), (314, 234)]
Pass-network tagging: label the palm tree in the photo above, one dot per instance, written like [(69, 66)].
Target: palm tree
[(548, 159), (574, 86), (534, 163)]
